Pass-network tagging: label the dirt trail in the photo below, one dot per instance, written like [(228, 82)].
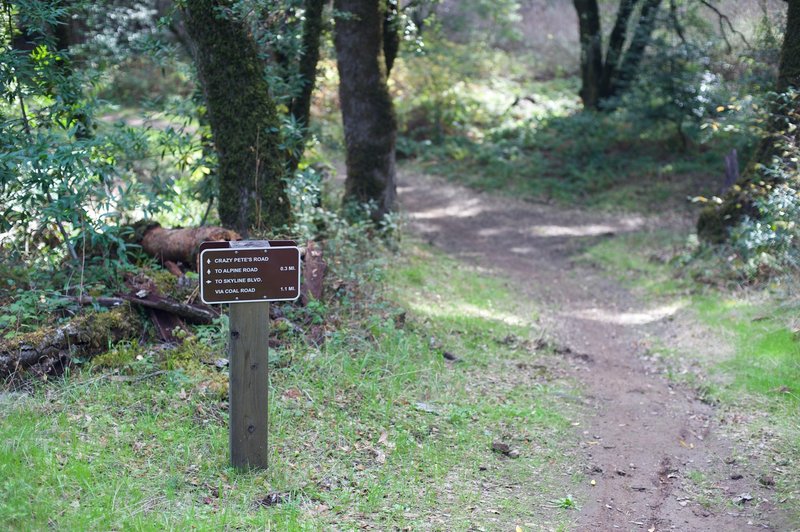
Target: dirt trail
[(645, 435)]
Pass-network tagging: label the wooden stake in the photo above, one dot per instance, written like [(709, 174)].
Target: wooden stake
[(249, 381)]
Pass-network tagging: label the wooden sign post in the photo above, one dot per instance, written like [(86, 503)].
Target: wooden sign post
[(248, 384), (248, 275)]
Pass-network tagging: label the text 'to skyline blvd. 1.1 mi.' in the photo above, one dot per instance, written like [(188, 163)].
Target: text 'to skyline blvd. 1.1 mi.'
[(248, 274)]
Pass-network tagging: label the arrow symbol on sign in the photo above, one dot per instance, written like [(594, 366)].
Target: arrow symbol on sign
[(208, 261), (209, 272), (208, 282)]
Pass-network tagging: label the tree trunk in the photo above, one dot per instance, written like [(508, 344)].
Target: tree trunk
[(243, 118), (591, 39), (312, 31), (370, 126), (629, 67), (715, 221), (190, 312), (602, 80), (301, 105), (616, 42), (789, 69), (391, 34)]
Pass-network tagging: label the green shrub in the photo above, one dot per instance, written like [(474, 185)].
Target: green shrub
[(771, 242)]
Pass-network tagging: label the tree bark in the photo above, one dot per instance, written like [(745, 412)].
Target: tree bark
[(591, 39), (243, 118), (715, 221), (629, 67), (301, 105), (616, 42), (391, 34), (314, 268), (370, 126)]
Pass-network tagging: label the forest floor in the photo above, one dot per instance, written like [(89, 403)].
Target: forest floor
[(656, 454)]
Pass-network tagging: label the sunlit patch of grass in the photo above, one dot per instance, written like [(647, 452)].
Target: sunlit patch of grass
[(767, 357), (642, 260)]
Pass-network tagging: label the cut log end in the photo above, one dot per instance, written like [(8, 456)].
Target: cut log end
[(181, 245)]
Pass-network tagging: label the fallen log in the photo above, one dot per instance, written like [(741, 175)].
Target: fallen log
[(160, 309), (49, 351), (192, 313), (180, 245)]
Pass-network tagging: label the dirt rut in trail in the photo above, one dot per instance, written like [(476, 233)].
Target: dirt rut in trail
[(644, 437)]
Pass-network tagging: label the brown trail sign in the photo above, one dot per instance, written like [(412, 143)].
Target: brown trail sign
[(249, 274), (246, 274)]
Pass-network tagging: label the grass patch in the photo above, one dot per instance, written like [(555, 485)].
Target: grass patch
[(642, 260), (374, 428), (767, 357)]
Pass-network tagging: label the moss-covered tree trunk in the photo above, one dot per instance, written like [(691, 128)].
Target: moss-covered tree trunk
[(370, 126), (715, 221), (243, 118), (49, 351)]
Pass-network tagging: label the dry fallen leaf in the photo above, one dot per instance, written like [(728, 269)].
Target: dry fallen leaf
[(292, 393)]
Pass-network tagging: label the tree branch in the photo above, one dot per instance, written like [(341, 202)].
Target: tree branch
[(723, 19)]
